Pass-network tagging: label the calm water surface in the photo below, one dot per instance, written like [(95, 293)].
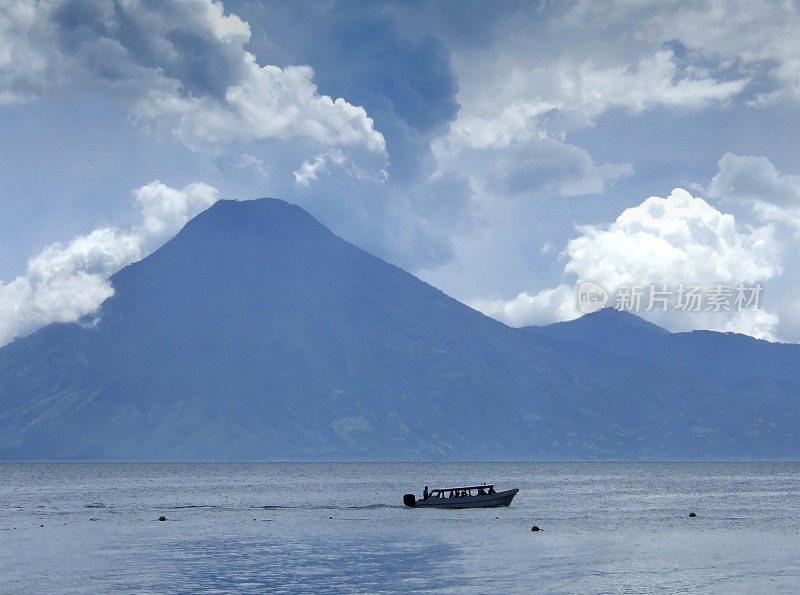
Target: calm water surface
[(341, 527)]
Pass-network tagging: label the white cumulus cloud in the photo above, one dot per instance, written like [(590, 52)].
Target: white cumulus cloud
[(751, 179), (269, 102), (756, 182), (549, 305), (184, 64), (774, 198), (517, 105), (66, 282), (673, 240), (25, 71), (680, 239), (310, 170), (519, 102), (740, 34)]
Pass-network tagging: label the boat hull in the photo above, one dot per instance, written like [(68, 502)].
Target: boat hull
[(486, 501)]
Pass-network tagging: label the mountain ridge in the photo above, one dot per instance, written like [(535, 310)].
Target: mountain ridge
[(714, 354), (257, 334)]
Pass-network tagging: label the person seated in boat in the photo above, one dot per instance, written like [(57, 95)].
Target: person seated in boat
[(425, 493), (491, 490), (481, 492)]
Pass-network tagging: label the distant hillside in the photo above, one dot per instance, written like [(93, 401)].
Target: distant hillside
[(256, 333), (726, 356)]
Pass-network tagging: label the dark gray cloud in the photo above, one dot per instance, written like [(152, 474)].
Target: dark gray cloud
[(172, 38), (360, 51)]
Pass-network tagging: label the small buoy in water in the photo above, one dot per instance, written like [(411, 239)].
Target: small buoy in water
[(330, 517), (253, 519), (41, 525), (691, 514), (535, 528), (162, 518)]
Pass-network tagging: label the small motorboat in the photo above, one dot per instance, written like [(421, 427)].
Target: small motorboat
[(482, 496)]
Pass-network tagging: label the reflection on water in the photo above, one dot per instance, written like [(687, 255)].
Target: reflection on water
[(341, 527)]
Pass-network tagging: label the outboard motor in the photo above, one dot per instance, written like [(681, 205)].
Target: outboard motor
[(410, 500)]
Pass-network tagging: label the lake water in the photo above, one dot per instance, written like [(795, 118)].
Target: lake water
[(341, 527)]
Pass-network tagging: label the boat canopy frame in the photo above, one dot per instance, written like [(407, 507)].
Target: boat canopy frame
[(484, 486)]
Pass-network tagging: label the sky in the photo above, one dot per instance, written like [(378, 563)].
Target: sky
[(506, 153)]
